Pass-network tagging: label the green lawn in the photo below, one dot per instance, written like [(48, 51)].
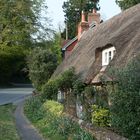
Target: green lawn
[(7, 125)]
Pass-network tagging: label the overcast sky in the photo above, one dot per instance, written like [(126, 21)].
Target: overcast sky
[(55, 11)]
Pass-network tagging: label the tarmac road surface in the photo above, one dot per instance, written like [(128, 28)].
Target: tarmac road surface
[(14, 95)]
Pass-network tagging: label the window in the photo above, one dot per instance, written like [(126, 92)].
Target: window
[(107, 55), (110, 56)]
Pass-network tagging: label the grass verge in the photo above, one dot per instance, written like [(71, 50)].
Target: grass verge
[(7, 125)]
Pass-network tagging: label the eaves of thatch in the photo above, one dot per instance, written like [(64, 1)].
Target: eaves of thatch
[(121, 31)]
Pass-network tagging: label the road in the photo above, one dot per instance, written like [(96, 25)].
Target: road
[(14, 95)]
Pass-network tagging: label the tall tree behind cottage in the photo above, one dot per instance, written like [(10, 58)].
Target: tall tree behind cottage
[(73, 9)]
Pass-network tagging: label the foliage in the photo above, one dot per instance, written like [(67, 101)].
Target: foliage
[(49, 90), (65, 126), (53, 107), (73, 9), (20, 21), (71, 130), (100, 116), (125, 4), (101, 97), (56, 46), (7, 125), (33, 109), (12, 61), (89, 97), (42, 63), (89, 92), (125, 106), (20, 29), (63, 82), (78, 87), (66, 79), (82, 135), (53, 124)]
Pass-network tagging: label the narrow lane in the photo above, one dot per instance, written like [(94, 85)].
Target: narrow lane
[(13, 95)]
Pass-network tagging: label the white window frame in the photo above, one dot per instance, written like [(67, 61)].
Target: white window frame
[(107, 55)]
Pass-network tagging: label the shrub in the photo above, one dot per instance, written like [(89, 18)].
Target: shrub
[(49, 90), (65, 126), (69, 129), (82, 135), (78, 87), (66, 79), (52, 123), (33, 109), (100, 116), (53, 107), (125, 108), (89, 95), (41, 63)]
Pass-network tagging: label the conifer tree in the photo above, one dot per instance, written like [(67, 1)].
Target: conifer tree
[(73, 9)]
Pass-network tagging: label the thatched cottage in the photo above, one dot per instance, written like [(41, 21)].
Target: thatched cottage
[(113, 43)]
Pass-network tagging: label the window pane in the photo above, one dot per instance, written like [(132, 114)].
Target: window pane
[(106, 57)]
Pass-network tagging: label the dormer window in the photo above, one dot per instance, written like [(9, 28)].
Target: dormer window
[(107, 55)]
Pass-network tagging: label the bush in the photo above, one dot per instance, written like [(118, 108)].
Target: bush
[(41, 63), (33, 109), (49, 90), (65, 126), (52, 123), (125, 108), (66, 79), (53, 107), (82, 135), (70, 129), (78, 87), (100, 116)]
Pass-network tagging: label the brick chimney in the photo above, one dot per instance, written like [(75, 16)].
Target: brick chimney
[(94, 17), (83, 25)]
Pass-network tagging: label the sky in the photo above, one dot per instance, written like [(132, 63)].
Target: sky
[(55, 11)]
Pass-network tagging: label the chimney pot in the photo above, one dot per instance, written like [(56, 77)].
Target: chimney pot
[(83, 17), (94, 17), (94, 10)]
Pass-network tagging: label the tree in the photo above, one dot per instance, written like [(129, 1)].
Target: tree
[(73, 9), (125, 108), (12, 60), (19, 22), (125, 4), (42, 63), (20, 29)]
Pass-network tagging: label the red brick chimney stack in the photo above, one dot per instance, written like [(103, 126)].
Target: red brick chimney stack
[(83, 25), (94, 17)]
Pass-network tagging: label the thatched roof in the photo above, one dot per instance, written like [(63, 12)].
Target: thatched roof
[(121, 31)]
